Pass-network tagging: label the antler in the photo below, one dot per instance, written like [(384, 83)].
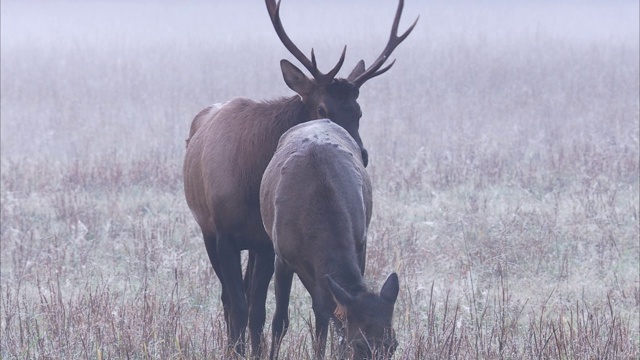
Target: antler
[(394, 40), (274, 13)]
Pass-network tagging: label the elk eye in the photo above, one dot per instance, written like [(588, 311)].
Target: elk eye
[(322, 112)]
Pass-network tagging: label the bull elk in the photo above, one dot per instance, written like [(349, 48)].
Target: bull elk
[(228, 149), (315, 200)]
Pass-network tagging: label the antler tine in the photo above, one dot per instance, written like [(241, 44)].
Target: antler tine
[(274, 13), (331, 74), (313, 59), (384, 69), (394, 41)]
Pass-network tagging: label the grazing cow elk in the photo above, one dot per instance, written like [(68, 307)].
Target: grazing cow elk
[(228, 149), (315, 200)]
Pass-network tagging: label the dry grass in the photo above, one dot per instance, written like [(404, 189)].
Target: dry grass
[(504, 154)]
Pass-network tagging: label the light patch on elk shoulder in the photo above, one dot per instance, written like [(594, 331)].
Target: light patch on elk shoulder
[(206, 114), (219, 106)]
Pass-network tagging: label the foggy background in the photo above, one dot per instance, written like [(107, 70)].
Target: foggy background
[(503, 143), (81, 78)]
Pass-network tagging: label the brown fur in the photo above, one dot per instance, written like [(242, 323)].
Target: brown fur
[(316, 202)]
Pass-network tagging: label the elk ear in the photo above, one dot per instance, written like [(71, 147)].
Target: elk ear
[(390, 289), (296, 80), (341, 296), (357, 71)]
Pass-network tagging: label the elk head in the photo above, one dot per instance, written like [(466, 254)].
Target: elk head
[(324, 96), (367, 319)]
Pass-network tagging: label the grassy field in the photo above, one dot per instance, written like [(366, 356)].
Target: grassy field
[(504, 154)]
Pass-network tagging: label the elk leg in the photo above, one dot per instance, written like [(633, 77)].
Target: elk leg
[(210, 245), (249, 273), (280, 324), (259, 287), (231, 268), (322, 325), (362, 256)]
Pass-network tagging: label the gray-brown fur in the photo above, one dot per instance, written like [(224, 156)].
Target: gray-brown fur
[(316, 202)]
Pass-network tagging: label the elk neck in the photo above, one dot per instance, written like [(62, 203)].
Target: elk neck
[(285, 112), (346, 273)]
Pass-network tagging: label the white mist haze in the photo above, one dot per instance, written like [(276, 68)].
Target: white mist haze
[(503, 153), (88, 77)]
